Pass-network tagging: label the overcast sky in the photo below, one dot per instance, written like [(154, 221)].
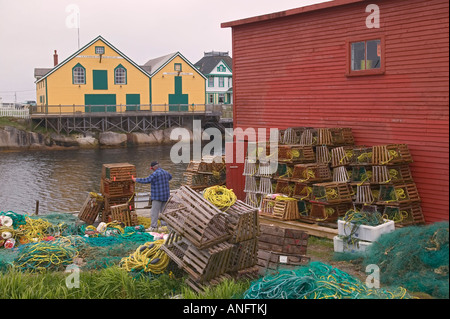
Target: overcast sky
[(30, 30)]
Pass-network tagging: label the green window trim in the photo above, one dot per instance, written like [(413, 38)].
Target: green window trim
[(177, 67), (210, 81), (117, 75), (78, 74), (221, 68)]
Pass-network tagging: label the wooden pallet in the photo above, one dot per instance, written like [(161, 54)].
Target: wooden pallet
[(243, 222), (118, 172), (91, 208), (195, 218), (283, 239), (331, 193), (270, 262)]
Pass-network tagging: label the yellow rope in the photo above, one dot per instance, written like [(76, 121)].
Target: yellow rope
[(220, 196), (148, 258)]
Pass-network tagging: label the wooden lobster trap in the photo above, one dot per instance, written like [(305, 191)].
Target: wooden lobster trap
[(323, 212), (309, 173), (117, 189), (323, 154), (361, 156), (200, 264), (391, 154), (284, 171), (341, 174), (284, 209), (296, 154), (405, 214), (395, 194), (123, 214), (332, 193), (252, 199), (302, 191), (341, 156), (118, 172), (400, 174), (113, 201), (292, 135), (243, 222), (91, 208), (195, 218), (285, 187), (308, 137), (342, 136), (193, 166), (195, 180), (360, 174), (244, 255)]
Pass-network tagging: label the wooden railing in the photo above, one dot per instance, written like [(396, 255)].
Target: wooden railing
[(223, 110)]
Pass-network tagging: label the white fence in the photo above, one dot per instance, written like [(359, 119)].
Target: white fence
[(9, 112)]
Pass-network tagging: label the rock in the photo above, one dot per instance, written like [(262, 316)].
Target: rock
[(112, 139)]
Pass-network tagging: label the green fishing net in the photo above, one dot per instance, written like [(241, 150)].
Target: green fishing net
[(317, 280), (61, 239), (416, 257)]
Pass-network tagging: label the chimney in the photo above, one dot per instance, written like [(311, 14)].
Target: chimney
[(55, 59)]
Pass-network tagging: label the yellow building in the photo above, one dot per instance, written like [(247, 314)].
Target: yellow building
[(100, 78)]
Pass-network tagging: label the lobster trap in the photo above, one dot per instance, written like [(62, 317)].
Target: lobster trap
[(361, 174), (391, 154), (283, 240), (113, 201), (243, 222), (195, 218), (244, 255), (322, 212), (200, 264), (91, 208), (285, 187), (314, 172), (296, 154), (398, 194), (332, 193), (302, 191), (284, 209), (361, 156), (405, 214), (118, 172), (123, 214), (341, 156), (118, 188), (323, 154), (340, 174)]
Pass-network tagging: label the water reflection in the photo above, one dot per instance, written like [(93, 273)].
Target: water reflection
[(61, 180)]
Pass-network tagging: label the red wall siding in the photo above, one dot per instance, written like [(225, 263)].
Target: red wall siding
[(290, 71)]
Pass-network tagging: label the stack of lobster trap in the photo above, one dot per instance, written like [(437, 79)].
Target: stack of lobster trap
[(116, 198), (327, 175), (207, 243), (208, 172)]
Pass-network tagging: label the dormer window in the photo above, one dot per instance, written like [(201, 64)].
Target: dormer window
[(221, 68)]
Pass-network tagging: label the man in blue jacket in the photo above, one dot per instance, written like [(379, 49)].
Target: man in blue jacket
[(159, 192)]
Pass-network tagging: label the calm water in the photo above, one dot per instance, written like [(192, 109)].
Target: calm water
[(61, 180)]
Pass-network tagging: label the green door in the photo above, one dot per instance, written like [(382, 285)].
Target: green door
[(100, 102), (100, 79), (178, 98), (133, 101)]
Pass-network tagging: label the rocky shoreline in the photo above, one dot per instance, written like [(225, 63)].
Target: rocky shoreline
[(12, 138)]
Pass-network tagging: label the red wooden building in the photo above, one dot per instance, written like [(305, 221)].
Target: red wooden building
[(382, 70)]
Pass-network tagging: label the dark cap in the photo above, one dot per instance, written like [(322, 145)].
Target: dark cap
[(154, 164)]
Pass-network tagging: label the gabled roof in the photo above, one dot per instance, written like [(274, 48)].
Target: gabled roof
[(209, 62), (154, 65), (81, 50)]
